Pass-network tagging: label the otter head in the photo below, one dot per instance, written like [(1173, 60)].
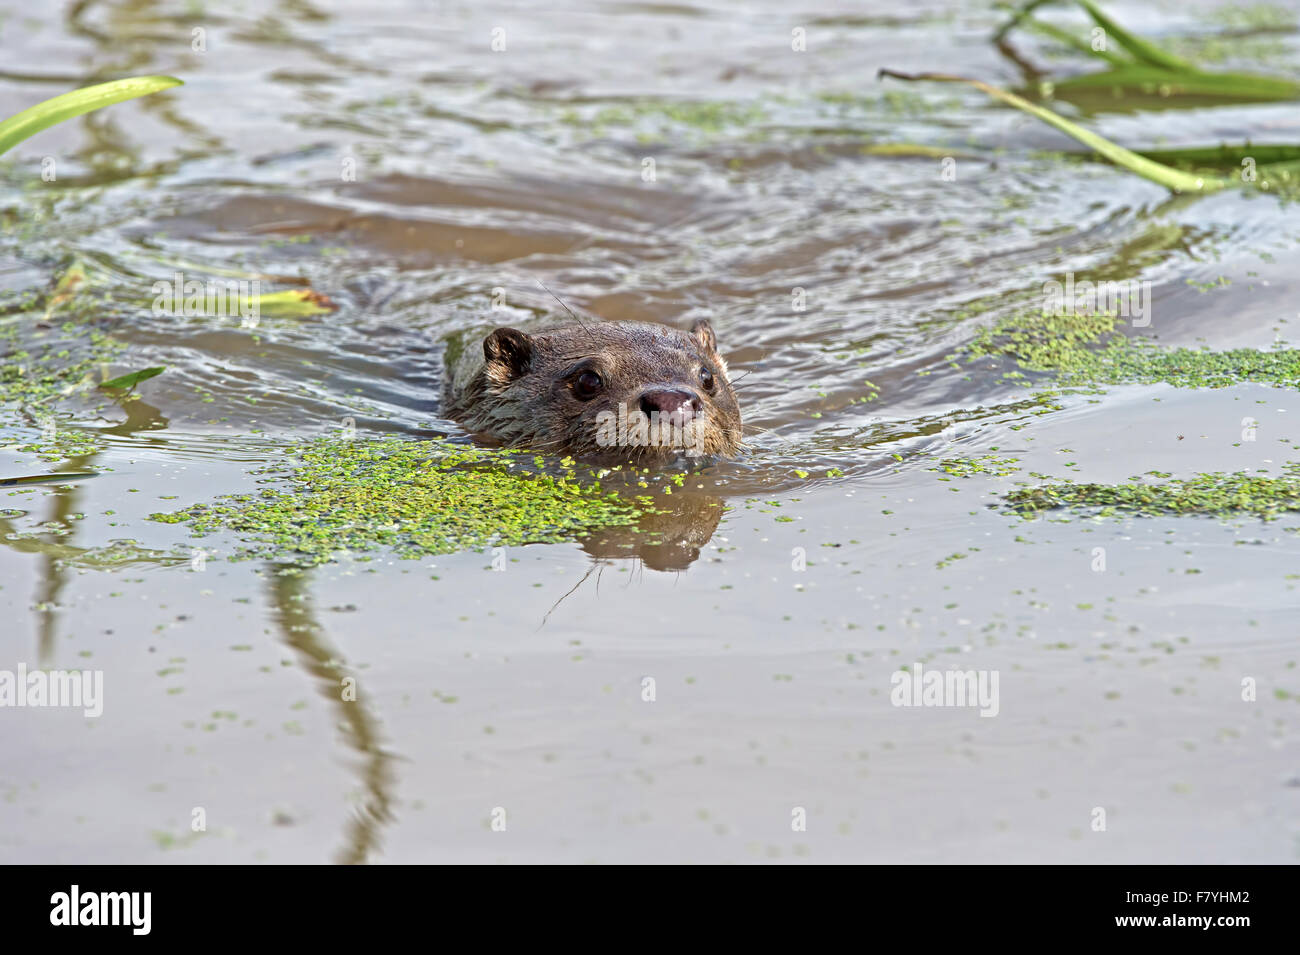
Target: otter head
[(611, 392)]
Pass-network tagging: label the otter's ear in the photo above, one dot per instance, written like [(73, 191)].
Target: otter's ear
[(703, 333), (508, 351)]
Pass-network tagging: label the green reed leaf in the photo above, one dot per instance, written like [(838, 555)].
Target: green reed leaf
[(68, 105)]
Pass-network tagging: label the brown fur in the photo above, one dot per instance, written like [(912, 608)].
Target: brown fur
[(524, 390)]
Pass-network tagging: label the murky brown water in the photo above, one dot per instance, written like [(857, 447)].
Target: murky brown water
[(383, 154)]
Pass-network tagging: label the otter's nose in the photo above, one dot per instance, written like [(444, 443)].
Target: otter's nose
[(675, 407)]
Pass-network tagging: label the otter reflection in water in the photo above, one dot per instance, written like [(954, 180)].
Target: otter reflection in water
[(667, 540), (670, 539)]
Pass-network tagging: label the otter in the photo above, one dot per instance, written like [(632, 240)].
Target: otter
[(606, 392)]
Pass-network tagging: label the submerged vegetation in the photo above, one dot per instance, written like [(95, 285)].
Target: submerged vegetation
[(61, 363), (416, 498), (58, 351), (38, 374)]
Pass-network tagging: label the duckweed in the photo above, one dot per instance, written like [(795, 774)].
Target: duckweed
[(1088, 350), (61, 445), (43, 372), (415, 498), (1212, 494), (989, 464)]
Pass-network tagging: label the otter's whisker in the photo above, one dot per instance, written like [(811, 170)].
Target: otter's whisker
[(565, 307), (590, 570)]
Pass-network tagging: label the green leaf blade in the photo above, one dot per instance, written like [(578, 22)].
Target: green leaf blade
[(43, 115), (1141, 49), (1144, 78), (123, 382), (1169, 178)]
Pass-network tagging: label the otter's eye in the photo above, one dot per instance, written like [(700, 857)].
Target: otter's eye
[(706, 378), (587, 385)]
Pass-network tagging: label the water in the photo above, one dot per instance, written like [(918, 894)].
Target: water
[(384, 155)]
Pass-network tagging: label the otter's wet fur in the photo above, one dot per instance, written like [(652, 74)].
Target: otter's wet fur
[(539, 390)]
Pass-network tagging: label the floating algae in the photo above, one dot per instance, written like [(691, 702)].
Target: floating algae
[(415, 498), (986, 464), (1087, 349), (1212, 494), (52, 354), (40, 373)]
